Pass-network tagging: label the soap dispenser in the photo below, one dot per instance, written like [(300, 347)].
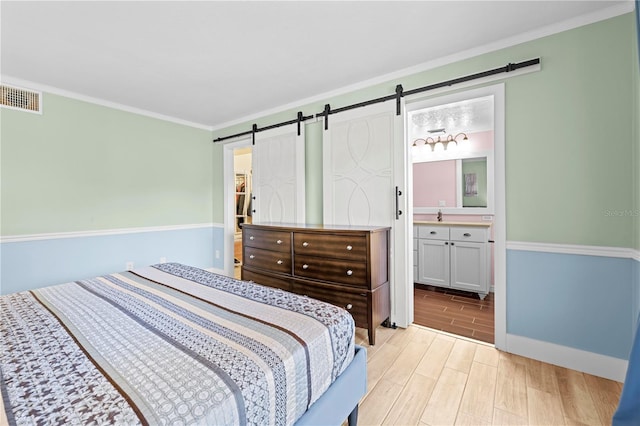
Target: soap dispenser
[(439, 215)]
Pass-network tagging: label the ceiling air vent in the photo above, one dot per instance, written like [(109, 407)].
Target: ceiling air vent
[(22, 99)]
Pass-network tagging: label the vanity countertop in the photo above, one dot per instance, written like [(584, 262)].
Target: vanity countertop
[(445, 223)]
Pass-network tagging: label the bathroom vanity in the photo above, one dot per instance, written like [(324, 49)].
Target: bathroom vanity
[(452, 254)]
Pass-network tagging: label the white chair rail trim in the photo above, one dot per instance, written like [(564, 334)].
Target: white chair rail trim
[(103, 232), (620, 252)]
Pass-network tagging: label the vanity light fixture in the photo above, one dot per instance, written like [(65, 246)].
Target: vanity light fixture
[(442, 143)]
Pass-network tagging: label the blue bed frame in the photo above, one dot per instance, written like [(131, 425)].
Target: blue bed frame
[(628, 412), (341, 400)]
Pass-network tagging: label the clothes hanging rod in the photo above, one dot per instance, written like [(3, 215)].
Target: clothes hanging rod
[(399, 94)]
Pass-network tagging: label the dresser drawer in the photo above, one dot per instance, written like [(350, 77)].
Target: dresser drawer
[(433, 232), (267, 259), (477, 235), (355, 303), (335, 270), (269, 240), (352, 247), (265, 279)]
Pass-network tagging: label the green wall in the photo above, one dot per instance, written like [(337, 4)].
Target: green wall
[(81, 166), (570, 147)]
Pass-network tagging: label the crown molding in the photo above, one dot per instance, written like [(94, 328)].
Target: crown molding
[(558, 27), (10, 80), (565, 25)]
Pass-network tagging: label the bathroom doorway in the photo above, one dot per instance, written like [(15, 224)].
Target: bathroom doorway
[(457, 152)]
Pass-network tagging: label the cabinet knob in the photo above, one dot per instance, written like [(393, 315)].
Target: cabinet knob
[(349, 272), (279, 242), (349, 248), (446, 243), (466, 234), (305, 244), (433, 232), (279, 262), (349, 306), (452, 243), (251, 256), (252, 237), (305, 266)]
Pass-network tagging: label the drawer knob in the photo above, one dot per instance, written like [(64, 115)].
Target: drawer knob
[(279, 262), (349, 272), (279, 242), (252, 237), (305, 244), (251, 256), (349, 248), (349, 306), (466, 234), (433, 232), (305, 266)]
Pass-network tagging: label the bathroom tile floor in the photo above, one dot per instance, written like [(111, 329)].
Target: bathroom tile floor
[(454, 311)]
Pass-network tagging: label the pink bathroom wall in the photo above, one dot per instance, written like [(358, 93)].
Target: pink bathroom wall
[(434, 182), (481, 141)]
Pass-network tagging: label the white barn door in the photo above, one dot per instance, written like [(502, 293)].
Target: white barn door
[(278, 176), (364, 160)]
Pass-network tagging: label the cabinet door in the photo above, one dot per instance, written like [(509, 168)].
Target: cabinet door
[(469, 266), (433, 262)]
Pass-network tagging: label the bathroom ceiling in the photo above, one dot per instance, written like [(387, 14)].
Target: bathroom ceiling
[(470, 116), (213, 63)]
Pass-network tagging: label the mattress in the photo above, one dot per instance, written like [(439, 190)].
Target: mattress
[(167, 344)]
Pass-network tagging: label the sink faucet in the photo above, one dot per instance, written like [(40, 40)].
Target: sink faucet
[(439, 215)]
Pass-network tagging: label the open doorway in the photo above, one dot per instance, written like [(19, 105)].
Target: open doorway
[(458, 207), (242, 171)]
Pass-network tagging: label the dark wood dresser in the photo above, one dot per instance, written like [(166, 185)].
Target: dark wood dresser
[(344, 265)]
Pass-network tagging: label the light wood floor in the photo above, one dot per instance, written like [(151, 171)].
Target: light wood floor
[(417, 376)]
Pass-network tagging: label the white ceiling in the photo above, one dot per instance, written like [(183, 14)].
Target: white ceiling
[(215, 63)]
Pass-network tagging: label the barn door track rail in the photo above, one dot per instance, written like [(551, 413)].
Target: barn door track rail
[(399, 93)]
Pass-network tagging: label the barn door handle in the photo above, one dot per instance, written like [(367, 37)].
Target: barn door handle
[(398, 211)]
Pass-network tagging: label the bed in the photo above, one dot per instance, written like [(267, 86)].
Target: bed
[(174, 344)]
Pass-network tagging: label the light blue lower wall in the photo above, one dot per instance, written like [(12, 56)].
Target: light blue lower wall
[(583, 302), (37, 263)]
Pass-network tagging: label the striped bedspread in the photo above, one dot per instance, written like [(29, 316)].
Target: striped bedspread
[(167, 344)]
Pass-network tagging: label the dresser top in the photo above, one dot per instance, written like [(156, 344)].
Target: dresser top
[(307, 227), (444, 223)]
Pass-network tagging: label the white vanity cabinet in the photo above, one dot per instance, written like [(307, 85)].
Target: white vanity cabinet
[(452, 256)]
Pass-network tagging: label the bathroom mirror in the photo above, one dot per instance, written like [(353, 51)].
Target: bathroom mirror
[(457, 185)]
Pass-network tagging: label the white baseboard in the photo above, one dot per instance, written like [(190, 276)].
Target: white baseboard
[(216, 271), (564, 356)]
